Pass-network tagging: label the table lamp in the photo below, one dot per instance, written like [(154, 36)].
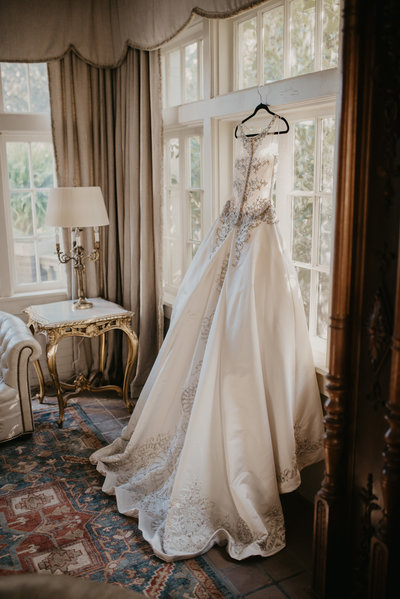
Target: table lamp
[(77, 207)]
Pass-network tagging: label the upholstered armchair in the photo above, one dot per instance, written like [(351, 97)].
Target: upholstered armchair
[(17, 348)]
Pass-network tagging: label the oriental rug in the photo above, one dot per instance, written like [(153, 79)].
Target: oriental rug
[(54, 517)]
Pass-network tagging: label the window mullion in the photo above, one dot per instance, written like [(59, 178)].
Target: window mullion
[(186, 212), (28, 79), (182, 70), (260, 49), (1, 93), (318, 36), (167, 78), (286, 40), (313, 302), (33, 209)]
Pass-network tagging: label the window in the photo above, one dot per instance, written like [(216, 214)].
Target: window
[(27, 174), (183, 73), (287, 39), (260, 48), (24, 88), (305, 209), (183, 221)]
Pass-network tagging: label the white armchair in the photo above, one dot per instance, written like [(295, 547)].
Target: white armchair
[(17, 348)]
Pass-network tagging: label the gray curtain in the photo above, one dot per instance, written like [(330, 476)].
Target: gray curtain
[(107, 132)]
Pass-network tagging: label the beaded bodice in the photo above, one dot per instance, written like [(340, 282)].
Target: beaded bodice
[(251, 203), (254, 171)]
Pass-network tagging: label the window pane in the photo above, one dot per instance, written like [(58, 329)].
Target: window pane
[(25, 265), (195, 215), (302, 25), (48, 262), (194, 248), (302, 209), (323, 305), (175, 262), (304, 140), (172, 213), (14, 78), (330, 33), (191, 73), (42, 164), (18, 165), (195, 166), (174, 78), (273, 44), (21, 213), (39, 87), (325, 230), (304, 277), (328, 146), (41, 199), (173, 155), (247, 58)]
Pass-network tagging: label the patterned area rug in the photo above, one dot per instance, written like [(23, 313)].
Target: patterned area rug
[(54, 517)]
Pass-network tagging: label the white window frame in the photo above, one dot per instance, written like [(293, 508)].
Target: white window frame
[(258, 14), (21, 127), (194, 34), (28, 288), (284, 193), (183, 135)]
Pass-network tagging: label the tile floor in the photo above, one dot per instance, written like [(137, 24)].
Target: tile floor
[(284, 575)]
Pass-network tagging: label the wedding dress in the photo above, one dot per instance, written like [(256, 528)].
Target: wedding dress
[(231, 410)]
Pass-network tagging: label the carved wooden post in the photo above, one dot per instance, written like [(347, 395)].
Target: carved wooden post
[(385, 547), (329, 519)]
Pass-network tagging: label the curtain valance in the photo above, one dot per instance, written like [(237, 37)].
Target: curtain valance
[(99, 31)]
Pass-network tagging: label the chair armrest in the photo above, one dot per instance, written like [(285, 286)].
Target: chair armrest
[(17, 346)]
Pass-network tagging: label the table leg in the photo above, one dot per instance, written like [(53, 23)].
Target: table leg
[(132, 352), (39, 374), (98, 376), (102, 354), (51, 351)]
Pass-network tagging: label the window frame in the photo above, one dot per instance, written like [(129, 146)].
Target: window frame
[(27, 288), (258, 13), (24, 127), (193, 34), (183, 135)]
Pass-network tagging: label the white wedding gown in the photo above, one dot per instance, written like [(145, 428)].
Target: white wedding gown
[(231, 410)]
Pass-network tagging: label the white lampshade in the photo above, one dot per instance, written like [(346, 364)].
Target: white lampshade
[(76, 207)]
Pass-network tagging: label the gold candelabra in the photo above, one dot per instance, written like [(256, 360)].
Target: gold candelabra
[(78, 256)]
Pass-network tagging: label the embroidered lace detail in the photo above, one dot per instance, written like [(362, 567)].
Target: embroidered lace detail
[(150, 475), (243, 232), (304, 449), (275, 524), (222, 274), (251, 202), (206, 325), (292, 471), (193, 519)]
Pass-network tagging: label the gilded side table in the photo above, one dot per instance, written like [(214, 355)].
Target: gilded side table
[(59, 320)]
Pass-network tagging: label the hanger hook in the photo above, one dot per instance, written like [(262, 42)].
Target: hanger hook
[(259, 93)]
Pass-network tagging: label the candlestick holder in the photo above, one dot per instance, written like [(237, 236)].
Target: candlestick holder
[(78, 255)]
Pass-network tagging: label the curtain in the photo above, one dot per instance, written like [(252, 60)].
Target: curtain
[(99, 31), (107, 132)]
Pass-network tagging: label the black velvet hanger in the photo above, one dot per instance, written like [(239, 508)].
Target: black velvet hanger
[(263, 106)]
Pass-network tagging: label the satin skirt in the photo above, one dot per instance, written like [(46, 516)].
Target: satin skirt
[(231, 411)]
